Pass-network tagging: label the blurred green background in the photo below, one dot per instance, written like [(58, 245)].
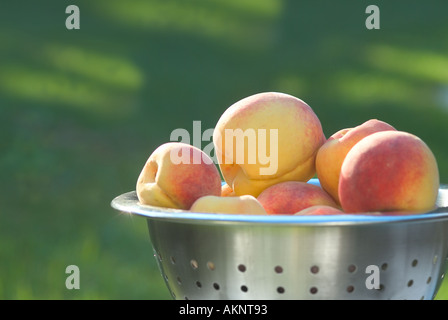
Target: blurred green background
[(81, 110)]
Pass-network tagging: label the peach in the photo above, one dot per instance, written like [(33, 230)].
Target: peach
[(230, 205), (389, 171), (226, 191), (289, 197), (389, 213), (176, 175), (265, 139), (319, 210), (331, 155)]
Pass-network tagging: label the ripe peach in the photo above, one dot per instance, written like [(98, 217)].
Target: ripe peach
[(331, 155), (175, 175), (389, 213), (233, 205), (290, 197), (226, 191), (389, 171), (319, 210), (265, 139)]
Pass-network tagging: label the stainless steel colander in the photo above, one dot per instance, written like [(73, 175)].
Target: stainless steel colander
[(222, 256)]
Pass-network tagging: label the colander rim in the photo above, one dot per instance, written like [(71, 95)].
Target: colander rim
[(128, 203)]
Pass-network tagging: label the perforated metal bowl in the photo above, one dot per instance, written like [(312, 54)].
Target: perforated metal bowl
[(221, 256)]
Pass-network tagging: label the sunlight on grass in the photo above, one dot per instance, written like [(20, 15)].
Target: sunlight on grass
[(237, 22), (90, 248), (442, 294), (412, 78), (418, 64), (59, 89), (107, 69), (24, 292), (266, 8), (362, 88), (291, 84), (93, 81)]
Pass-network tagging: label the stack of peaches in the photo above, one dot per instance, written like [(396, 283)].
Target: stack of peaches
[(371, 168)]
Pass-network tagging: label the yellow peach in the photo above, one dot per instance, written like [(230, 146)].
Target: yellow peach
[(331, 155), (177, 174), (389, 171), (290, 197), (226, 191), (245, 204), (319, 210), (265, 139)]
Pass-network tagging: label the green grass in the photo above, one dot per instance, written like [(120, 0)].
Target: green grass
[(81, 110)]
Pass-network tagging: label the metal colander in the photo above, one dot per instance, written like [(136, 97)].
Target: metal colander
[(222, 256)]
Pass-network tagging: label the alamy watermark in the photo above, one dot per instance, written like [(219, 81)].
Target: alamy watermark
[(72, 22), (73, 280), (373, 280), (373, 20), (235, 142)]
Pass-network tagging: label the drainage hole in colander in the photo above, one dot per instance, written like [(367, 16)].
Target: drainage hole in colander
[(429, 280), (158, 256), (351, 268), (194, 264), (278, 269), (216, 286), (173, 260), (434, 260), (384, 266), (350, 289), (244, 288), (314, 269), (242, 267), (280, 290), (179, 281), (410, 283), (210, 265), (414, 262), (198, 284), (313, 290)]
